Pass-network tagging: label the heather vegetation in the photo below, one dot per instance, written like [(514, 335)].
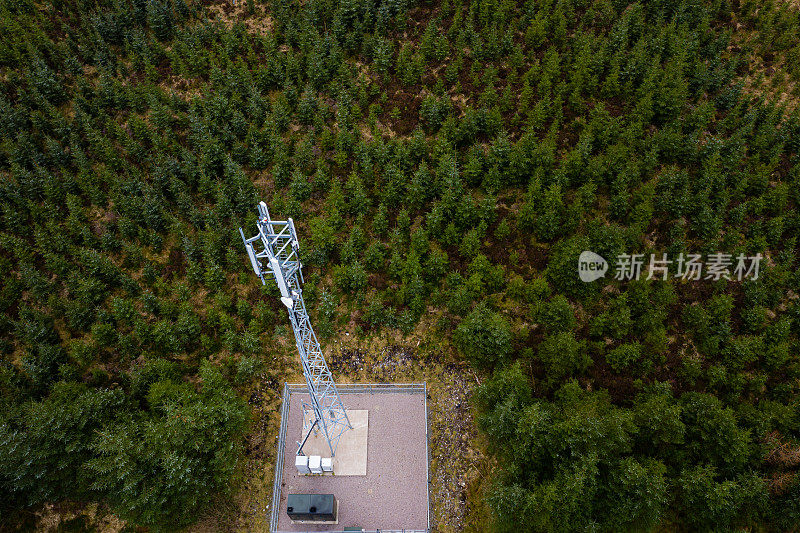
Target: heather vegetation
[(444, 162)]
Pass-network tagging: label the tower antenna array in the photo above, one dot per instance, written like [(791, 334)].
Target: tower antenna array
[(279, 247)]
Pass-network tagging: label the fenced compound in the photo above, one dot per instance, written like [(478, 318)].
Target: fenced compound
[(368, 531), (344, 389)]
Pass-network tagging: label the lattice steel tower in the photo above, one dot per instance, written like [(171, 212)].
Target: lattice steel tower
[(280, 245)]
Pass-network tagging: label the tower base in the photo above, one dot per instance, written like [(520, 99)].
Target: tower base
[(393, 494), (351, 453)]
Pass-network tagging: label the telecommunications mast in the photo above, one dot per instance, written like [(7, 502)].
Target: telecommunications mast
[(279, 241)]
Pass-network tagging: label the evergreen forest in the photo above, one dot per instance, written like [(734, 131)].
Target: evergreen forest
[(445, 163)]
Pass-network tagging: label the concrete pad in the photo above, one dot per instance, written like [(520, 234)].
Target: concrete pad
[(351, 453), (394, 493)]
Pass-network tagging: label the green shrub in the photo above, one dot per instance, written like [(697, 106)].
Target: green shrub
[(711, 503), (623, 356), (563, 355), (484, 337), (557, 315)]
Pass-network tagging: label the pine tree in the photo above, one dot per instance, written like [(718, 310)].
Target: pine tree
[(161, 468), (160, 19), (484, 337)]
